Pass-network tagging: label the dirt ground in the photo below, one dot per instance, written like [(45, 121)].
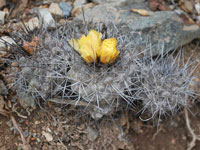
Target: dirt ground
[(124, 131), (70, 132), (53, 128)]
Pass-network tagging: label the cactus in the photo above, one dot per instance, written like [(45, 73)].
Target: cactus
[(165, 84), (56, 71)]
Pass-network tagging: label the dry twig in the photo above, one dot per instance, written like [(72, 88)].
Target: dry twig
[(194, 136)]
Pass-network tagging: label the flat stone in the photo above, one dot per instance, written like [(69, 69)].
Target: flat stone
[(46, 18), (117, 3), (100, 13), (5, 42), (189, 6), (2, 17), (48, 136), (33, 23), (66, 8), (54, 8), (78, 3), (7, 39), (78, 10)]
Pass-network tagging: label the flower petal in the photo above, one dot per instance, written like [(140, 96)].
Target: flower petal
[(74, 43), (108, 51)]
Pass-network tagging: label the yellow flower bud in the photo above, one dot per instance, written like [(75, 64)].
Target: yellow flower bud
[(108, 51), (88, 46)]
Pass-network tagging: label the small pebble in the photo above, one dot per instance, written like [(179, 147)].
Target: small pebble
[(197, 7), (78, 3), (48, 136), (46, 18), (189, 6), (26, 133), (33, 23), (66, 8), (54, 8), (38, 140), (3, 44), (78, 10), (92, 134), (2, 17)]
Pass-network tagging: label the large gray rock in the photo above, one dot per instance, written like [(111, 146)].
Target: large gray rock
[(118, 3), (164, 29)]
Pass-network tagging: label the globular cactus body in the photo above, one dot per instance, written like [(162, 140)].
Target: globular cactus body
[(165, 84), (56, 70)]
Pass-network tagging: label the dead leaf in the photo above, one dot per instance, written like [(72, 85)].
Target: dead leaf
[(31, 47), (142, 12)]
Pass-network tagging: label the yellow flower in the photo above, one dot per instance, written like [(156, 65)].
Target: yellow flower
[(108, 51), (88, 46)]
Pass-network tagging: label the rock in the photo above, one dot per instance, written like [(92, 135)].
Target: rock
[(7, 39), (62, 21), (5, 42), (3, 89), (34, 10), (100, 13), (99, 113), (46, 18), (118, 3), (2, 17), (189, 6), (197, 8), (164, 28), (26, 133), (78, 3), (2, 3), (33, 23), (66, 8), (48, 136), (26, 101), (78, 10), (54, 8), (92, 134)]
